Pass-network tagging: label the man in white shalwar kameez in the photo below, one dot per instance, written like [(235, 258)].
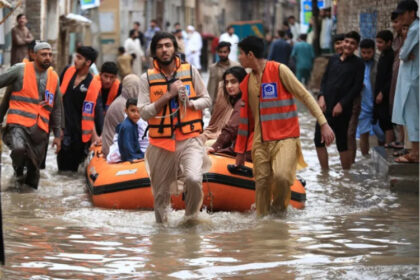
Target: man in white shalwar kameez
[(133, 46), (193, 47)]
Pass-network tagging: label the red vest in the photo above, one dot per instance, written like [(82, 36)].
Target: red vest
[(88, 110), (277, 110), (25, 108)]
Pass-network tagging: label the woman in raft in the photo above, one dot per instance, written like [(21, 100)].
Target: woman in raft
[(221, 133)]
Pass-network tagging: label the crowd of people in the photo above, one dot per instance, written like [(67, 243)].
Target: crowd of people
[(157, 114)]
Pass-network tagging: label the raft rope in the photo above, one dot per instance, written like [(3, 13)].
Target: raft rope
[(210, 194)]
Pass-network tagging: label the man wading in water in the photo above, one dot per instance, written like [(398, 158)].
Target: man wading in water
[(34, 108), (172, 97), (270, 111)]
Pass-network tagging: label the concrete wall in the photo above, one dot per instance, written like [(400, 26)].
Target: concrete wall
[(109, 24)]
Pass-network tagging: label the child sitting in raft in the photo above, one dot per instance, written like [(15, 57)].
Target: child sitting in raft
[(129, 143)]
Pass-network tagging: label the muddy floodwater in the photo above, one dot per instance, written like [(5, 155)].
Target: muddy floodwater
[(352, 227)]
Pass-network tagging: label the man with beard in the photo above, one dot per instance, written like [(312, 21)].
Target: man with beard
[(82, 108), (171, 99), (217, 69), (34, 108)]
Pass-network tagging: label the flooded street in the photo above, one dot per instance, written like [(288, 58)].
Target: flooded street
[(352, 227)]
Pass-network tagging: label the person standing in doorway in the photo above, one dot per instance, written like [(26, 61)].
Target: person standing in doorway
[(21, 37)]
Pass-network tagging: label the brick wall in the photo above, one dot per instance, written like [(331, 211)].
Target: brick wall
[(351, 12)]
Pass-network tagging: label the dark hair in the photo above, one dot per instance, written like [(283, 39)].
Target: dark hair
[(130, 101), (154, 21), (385, 35), (252, 44), (121, 50), (291, 17), (177, 23), (338, 37), (19, 16), (394, 16), (31, 45), (239, 73), (367, 44), (285, 22), (132, 31), (407, 5), (353, 35), (88, 52), (159, 36), (302, 37), (109, 67), (229, 27), (137, 23), (223, 44), (281, 33)]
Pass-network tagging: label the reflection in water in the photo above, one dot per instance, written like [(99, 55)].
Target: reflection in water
[(352, 227)]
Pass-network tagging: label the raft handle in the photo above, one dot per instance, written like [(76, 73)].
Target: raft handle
[(302, 181), (93, 177), (240, 170)]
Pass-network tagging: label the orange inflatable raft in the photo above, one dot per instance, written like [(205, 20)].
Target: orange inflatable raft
[(126, 185)]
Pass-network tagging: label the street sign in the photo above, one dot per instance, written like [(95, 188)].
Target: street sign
[(88, 4)]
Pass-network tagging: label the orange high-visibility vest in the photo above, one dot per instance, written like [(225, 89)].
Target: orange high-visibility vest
[(173, 127), (25, 108), (113, 91), (88, 110), (277, 110)]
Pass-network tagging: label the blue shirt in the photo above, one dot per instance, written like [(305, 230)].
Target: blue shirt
[(367, 93), (128, 141)]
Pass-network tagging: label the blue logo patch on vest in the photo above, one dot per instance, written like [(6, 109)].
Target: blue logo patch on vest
[(269, 90), (187, 88), (88, 107), (174, 104), (49, 97)]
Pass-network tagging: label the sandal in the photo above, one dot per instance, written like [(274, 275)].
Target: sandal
[(407, 158), (395, 145), (400, 153)]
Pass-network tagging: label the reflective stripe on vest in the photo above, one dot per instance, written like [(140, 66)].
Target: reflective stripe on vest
[(166, 126), (88, 109), (25, 106)]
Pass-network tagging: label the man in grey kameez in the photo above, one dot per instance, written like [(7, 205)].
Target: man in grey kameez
[(28, 144)]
